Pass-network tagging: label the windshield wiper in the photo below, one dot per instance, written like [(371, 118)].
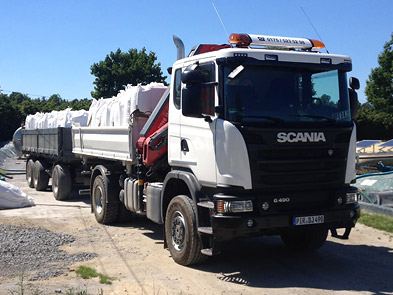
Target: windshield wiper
[(315, 117), (270, 118)]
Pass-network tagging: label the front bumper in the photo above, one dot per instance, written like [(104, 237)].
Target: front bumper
[(231, 226)]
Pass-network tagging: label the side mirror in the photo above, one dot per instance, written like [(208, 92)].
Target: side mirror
[(169, 70), (353, 102), (191, 77), (354, 83), (192, 101)]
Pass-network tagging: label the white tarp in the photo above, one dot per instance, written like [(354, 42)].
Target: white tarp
[(12, 197)]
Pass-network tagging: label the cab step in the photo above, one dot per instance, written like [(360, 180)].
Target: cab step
[(205, 230), (206, 204), (207, 252), (210, 251)]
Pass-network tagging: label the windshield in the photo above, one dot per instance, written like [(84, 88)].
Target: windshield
[(266, 94)]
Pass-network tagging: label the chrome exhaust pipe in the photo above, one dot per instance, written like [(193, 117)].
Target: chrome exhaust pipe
[(180, 47)]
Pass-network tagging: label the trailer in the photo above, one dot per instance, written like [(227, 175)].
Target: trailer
[(251, 138), (49, 155)]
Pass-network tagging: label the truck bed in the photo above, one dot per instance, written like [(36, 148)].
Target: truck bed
[(111, 143), (49, 142)]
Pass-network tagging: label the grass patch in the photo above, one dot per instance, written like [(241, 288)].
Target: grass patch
[(380, 222), (105, 279), (87, 272)]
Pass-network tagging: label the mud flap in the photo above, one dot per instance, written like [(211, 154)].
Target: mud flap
[(345, 236)]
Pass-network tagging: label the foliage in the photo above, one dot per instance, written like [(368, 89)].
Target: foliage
[(379, 89), (86, 272), (375, 118), (122, 68), (380, 222), (15, 107), (372, 124)]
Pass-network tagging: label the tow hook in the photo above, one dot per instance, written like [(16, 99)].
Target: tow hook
[(345, 236)]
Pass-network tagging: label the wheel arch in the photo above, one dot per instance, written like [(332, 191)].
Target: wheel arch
[(180, 183), (101, 170)]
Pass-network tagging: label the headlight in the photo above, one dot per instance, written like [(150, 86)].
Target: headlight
[(234, 206), (351, 198)]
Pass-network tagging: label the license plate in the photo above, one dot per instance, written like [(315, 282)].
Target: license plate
[(304, 220)]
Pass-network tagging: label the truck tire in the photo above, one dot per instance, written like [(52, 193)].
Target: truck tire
[(181, 232), (105, 213), (41, 178), (61, 182), (305, 241), (30, 173)]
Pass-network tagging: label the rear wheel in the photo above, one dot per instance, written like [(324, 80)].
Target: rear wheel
[(41, 177), (104, 211), (30, 173), (181, 232), (305, 241), (61, 182)]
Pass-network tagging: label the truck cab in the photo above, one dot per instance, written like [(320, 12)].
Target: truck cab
[(264, 129)]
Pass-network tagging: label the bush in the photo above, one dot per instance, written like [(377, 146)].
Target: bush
[(373, 125)]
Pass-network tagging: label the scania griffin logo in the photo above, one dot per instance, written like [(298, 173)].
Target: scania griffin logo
[(283, 137)]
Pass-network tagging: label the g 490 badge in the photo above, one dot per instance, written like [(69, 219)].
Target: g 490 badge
[(282, 200)]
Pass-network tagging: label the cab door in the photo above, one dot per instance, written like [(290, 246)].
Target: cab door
[(196, 140)]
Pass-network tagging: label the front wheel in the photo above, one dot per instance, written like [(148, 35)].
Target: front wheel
[(181, 232), (104, 211), (305, 241)]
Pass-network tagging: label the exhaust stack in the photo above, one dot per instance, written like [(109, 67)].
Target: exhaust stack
[(180, 47)]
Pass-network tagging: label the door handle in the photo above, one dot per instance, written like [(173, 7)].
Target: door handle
[(184, 146)]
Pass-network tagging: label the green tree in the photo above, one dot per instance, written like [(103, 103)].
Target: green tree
[(15, 107), (122, 68), (10, 118), (379, 89), (372, 124), (80, 104), (54, 103)]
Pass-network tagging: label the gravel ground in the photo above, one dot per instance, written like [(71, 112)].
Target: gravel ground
[(35, 250), (134, 255)]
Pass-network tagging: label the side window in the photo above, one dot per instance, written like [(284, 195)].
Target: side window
[(207, 71), (177, 89)]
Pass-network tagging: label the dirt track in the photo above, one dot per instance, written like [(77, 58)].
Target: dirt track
[(133, 253)]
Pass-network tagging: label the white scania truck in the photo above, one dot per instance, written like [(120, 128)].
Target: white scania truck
[(252, 138)]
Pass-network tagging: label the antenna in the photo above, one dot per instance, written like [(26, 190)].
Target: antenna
[(320, 38), (222, 23)]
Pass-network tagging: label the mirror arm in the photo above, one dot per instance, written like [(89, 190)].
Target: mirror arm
[(208, 119)]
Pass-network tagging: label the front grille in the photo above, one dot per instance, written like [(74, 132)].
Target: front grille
[(282, 166)]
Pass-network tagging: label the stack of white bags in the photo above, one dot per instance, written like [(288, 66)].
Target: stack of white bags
[(116, 111), (105, 112), (65, 118)]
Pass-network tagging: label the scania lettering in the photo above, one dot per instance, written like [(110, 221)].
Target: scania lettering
[(300, 136), (252, 138)]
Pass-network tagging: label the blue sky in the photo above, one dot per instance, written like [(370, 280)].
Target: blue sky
[(48, 46)]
